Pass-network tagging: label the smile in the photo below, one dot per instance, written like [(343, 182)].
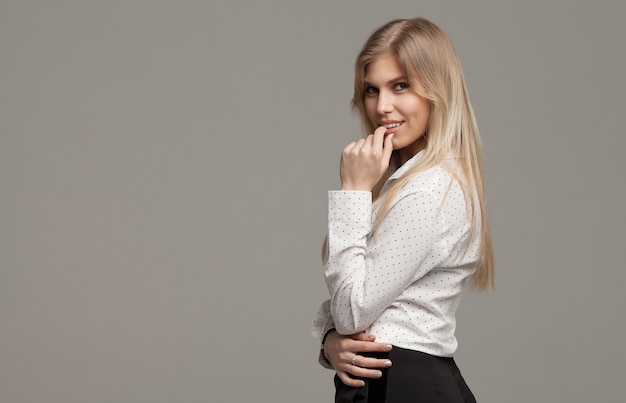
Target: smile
[(392, 125)]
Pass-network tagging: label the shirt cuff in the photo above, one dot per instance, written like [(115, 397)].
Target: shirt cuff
[(349, 205)]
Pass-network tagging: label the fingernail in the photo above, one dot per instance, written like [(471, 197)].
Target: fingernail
[(378, 374), (387, 364), (361, 384), (388, 347)]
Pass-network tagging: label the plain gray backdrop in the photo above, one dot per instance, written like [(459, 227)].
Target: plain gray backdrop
[(163, 177)]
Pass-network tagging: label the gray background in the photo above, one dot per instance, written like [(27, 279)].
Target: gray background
[(163, 177)]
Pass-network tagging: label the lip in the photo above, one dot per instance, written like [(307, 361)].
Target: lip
[(393, 129)]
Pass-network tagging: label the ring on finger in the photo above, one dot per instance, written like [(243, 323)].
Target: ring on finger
[(354, 360)]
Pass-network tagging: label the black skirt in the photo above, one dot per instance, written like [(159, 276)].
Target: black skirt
[(414, 377)]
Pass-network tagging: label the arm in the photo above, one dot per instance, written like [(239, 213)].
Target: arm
[(364, 280), (343, 354), (337, 351)]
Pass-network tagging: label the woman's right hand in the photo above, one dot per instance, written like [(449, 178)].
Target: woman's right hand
[(364, 162), (342, 350)]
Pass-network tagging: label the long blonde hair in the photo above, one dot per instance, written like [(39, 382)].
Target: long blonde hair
[(426, 54)]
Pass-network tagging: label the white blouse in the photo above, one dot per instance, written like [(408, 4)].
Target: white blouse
[(402, 285)]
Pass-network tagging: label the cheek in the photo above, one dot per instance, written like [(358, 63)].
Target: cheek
[(426, 113), (370, 110), (422, 110), (424, 107)]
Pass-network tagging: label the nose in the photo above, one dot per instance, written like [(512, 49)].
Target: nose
[(385, 103)]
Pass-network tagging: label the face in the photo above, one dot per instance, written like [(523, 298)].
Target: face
[(392, 102)]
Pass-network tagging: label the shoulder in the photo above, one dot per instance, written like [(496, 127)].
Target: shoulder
[(436, 180), (438, 186)]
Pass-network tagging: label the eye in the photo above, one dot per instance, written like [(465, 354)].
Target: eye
[(400, 86), (369, 90)]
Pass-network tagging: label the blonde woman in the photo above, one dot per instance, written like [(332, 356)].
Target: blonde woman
[(408, 230)]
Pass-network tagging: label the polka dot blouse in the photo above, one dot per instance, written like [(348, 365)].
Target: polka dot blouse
[(403, 284)]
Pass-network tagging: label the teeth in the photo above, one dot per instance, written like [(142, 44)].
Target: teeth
[(390, 125)]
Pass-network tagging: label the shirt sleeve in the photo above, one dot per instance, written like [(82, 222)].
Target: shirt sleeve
[(366, 274), (323, 323)]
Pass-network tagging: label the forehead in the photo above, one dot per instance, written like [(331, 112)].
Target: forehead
[(383, 68)]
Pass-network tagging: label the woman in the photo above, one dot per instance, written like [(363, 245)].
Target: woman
[(408, 228)]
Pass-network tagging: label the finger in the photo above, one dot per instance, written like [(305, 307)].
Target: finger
[(349, 381), (367, 144), (370, 346), (363, 372), (388, 147), (363, 336), (353, 148), (369, 363), (360, 372), (349, 147), (378, 137)]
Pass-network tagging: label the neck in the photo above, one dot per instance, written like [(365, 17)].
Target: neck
[(404, 154)]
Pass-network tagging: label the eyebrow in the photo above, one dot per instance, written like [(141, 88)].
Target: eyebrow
[(393, 80)]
